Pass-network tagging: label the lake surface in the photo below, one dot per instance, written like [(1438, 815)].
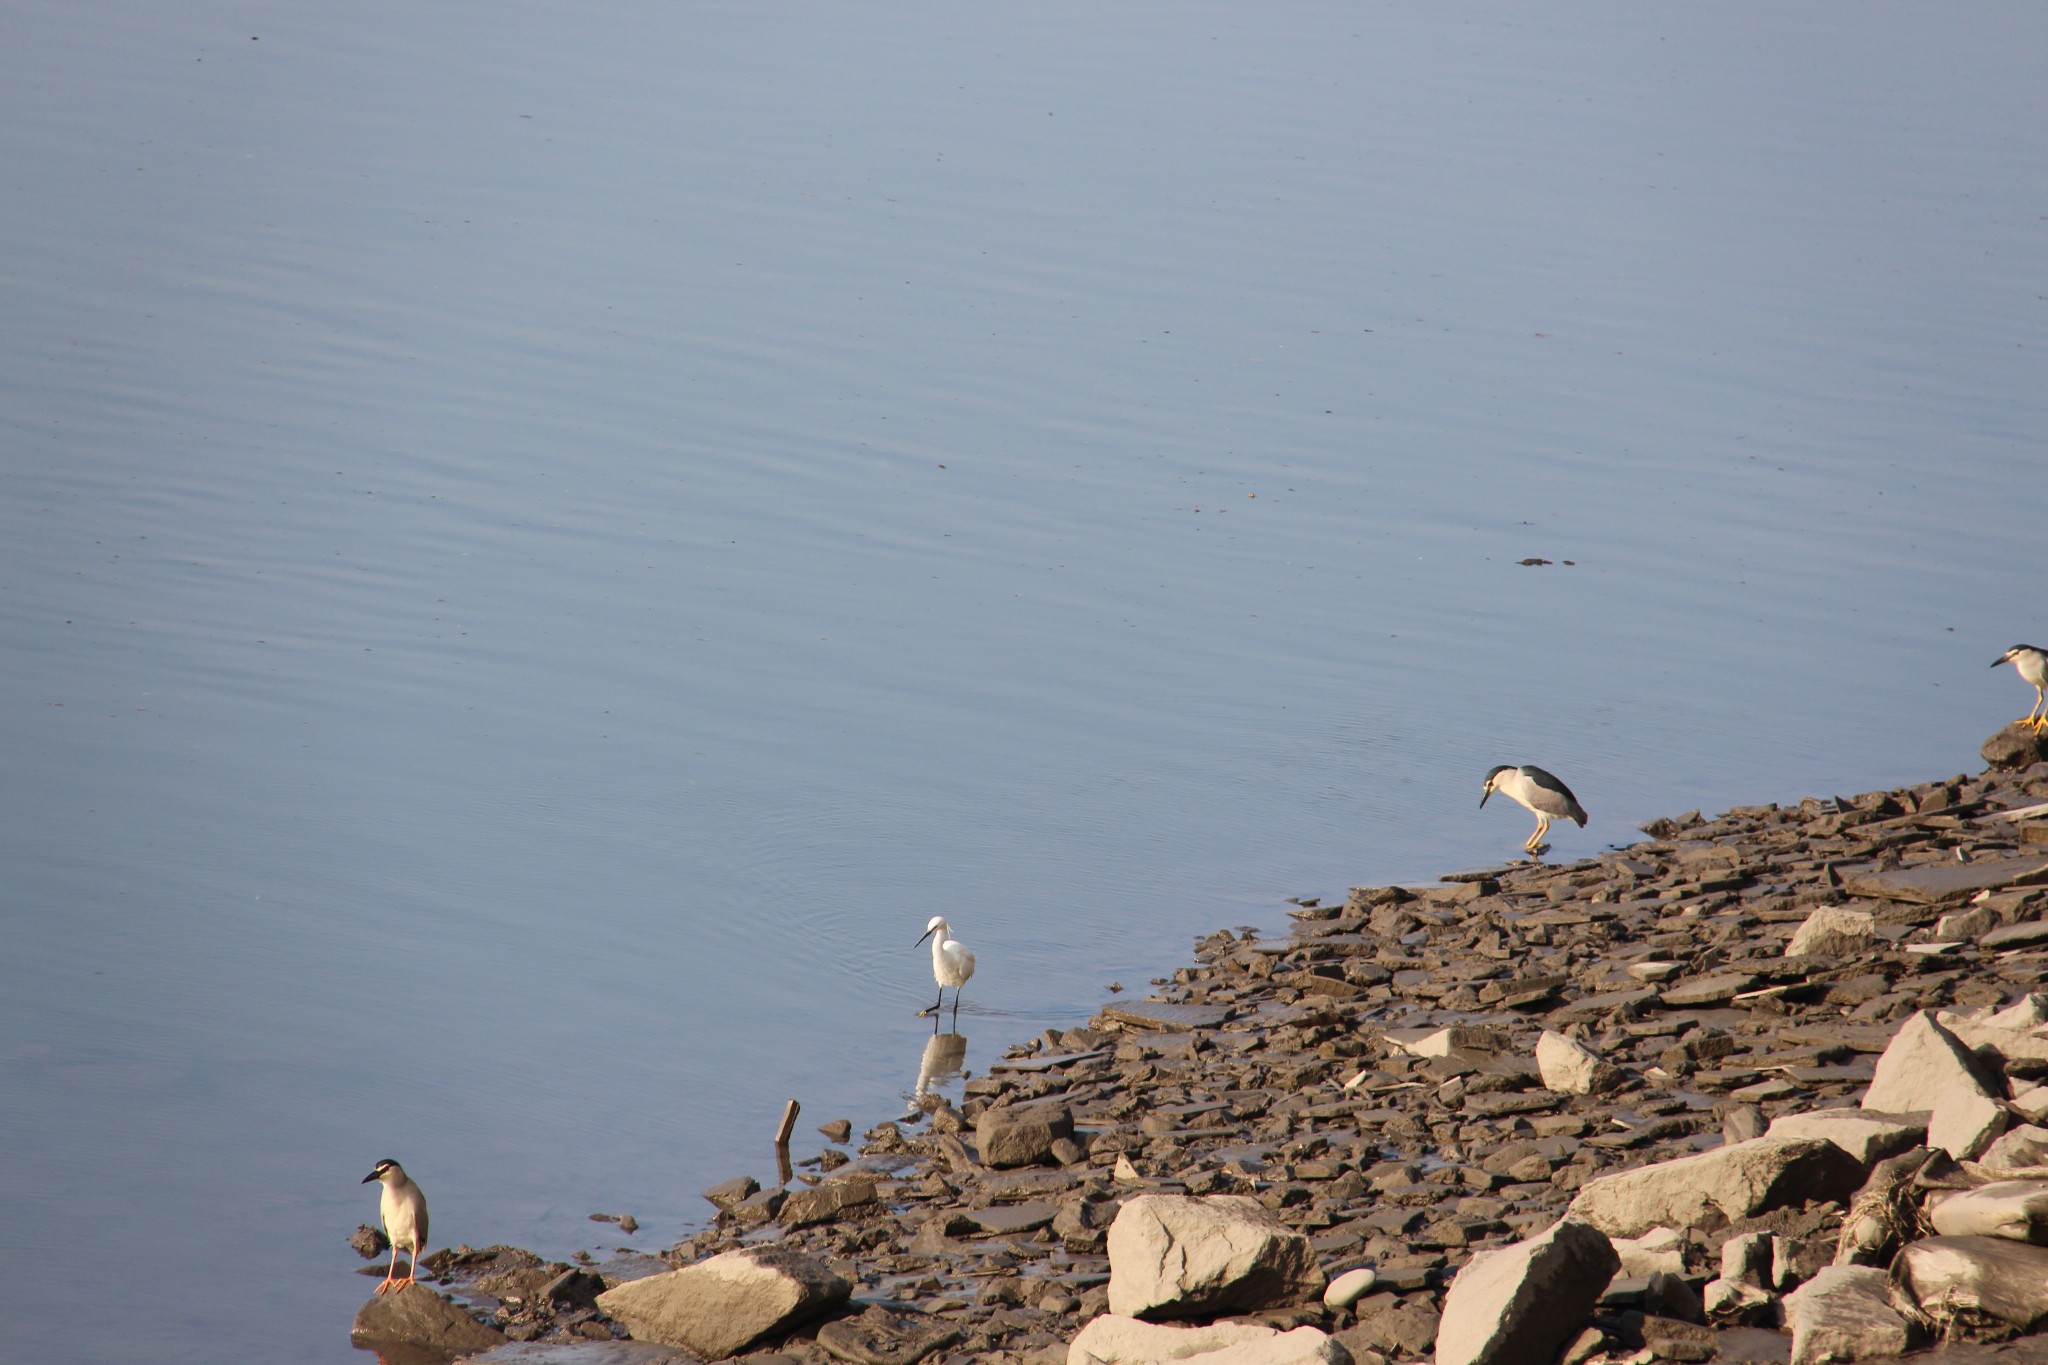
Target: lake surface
[(538, 545)]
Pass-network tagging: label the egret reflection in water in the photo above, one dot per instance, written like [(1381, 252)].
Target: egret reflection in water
[(945, 1054)]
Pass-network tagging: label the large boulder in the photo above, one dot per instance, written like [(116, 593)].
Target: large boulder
[(1831, 931), (414, 1315), (1992, 1277), (724, 1304), (1964, 1123), (1569, 1067), (1112, 1339), (1728, 1183), (2014, 1209), (2023, 1148), (1180, 1256), (1842, 1314), (1021, 1135), (1865, 1134), (1523, 1303), (1923, 1062)]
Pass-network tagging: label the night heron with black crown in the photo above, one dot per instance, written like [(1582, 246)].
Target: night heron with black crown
[(1540, 792), (2032, 662), (404, 1210)]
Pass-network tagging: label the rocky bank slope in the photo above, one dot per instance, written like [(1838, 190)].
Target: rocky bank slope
[(1777, 1071)]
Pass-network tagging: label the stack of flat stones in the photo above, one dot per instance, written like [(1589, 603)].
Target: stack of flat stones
[(1767, 1086)]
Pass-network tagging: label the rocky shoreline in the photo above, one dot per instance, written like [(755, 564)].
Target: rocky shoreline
[(1779, 1071)]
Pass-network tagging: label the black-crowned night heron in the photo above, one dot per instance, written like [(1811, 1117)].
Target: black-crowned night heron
[(952, 964), (2032, 662), (404, 1210), (1540, 792)]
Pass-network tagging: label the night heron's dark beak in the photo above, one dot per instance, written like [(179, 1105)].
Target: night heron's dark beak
[(368, 1178), (1482, 797)]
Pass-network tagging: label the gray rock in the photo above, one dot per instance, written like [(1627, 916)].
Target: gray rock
[(2014, 1209), (1945, 1276), (1923, 1062), (1728, 1183), (1865, 1134), (1021, 1135), (1569, 1067), (880, 1337), (1114, 1339), (824, 1203), (1741, 1123), (578, 1353), (1841, 1314), (1180, 1256), (720, 1306), (2015, 746), (1831, 931), (727, 1193), (1525, 1302), (415, 1315)]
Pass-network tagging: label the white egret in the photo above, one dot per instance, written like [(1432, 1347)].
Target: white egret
[(952, 964)]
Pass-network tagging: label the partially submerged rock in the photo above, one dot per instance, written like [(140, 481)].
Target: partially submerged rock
[(415, 1315), (1527, 1301), (722, 1305), (1180, 1256)]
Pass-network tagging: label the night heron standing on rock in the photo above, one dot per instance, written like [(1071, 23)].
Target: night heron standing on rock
[(2032, 662), (1540, 792), (952, 964), (404, 1210)]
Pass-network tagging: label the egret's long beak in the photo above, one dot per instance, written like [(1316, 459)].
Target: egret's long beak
[(923, 936)]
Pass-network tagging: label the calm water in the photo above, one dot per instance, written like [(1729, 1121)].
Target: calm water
[(538, 546)]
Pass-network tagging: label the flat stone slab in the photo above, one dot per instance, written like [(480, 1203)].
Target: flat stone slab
[(1166, 1015), (1865, 1134), (1028, 1216), (1717, 989), (2025, 934), (1940, 883), (1028, 1064), (580, 1353)]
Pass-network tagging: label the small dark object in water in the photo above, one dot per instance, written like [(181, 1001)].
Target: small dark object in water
[(1532, 560)]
